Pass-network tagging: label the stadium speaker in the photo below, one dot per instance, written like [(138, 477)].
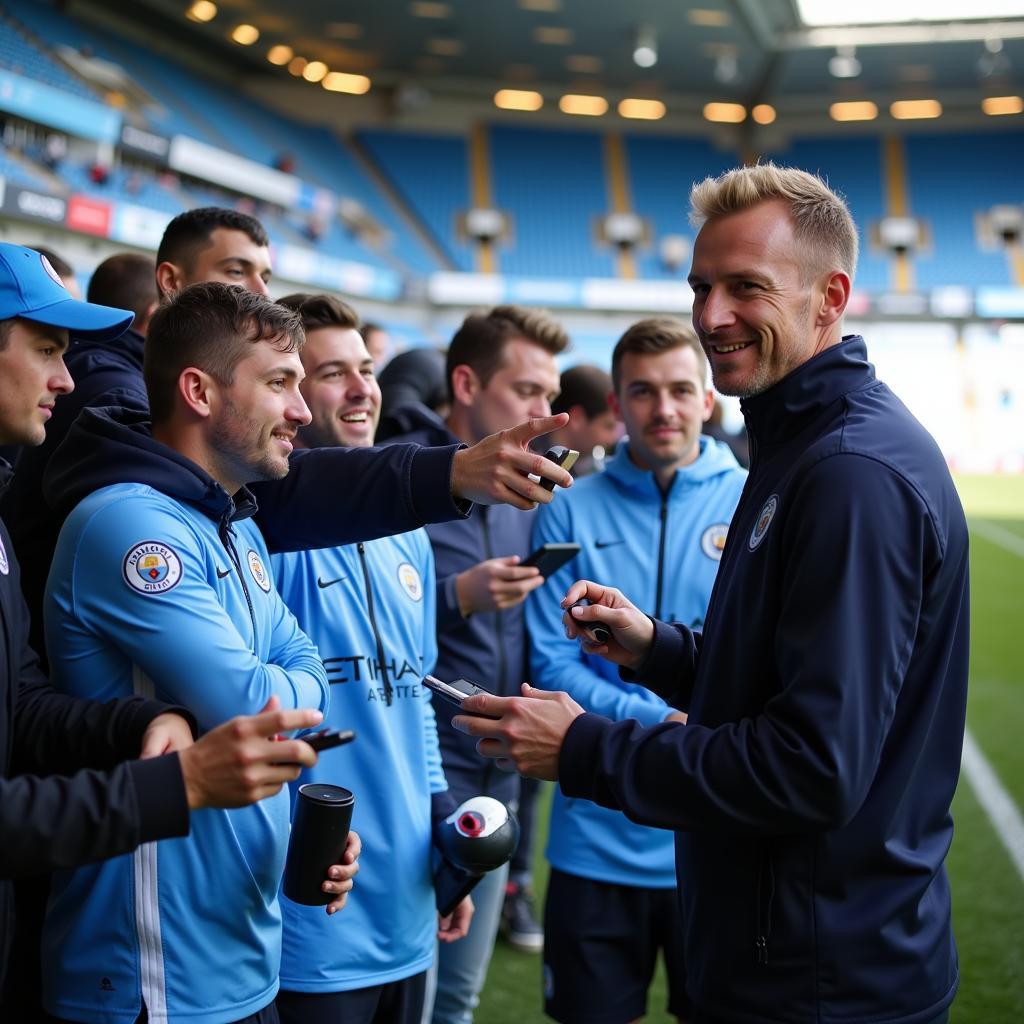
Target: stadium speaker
[(484, 224), (900, 234), (1007, 223), (674, 251), (626, 230)]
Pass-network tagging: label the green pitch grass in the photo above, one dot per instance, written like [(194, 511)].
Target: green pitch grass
[(988, 894)]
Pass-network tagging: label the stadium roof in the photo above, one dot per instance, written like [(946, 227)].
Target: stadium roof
[(789, 53)]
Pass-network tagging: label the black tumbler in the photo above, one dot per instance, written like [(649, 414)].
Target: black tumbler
[(319, 832)]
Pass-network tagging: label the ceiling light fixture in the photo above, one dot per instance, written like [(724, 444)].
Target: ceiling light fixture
[(915, 110), (429, 9), (444, 47), (553, 35), (280, 55), (296, 66), (725, 113), (518, 99), (338, 81), (763, 113), (584, 106), (645, 48), (642, 110), (202, 10), (314, 71), (245, 35), (853, 110), (995, 106)]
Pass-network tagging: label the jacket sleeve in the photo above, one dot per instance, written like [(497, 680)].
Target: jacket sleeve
[(61, 821), (335, 496), (850, 595), (182, 638), (558, 663)]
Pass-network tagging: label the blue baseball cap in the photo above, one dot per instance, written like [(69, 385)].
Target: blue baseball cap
[(32, 289)]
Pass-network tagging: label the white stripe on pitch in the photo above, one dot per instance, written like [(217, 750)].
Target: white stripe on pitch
[(998, 535), (147, 905), (998, 804)]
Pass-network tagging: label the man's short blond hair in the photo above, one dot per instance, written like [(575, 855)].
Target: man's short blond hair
[(821, 218)]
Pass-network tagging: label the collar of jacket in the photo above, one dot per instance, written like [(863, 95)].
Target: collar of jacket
[(113, 446), (712, 459), (6, 472), (130, 344), (780, 413)]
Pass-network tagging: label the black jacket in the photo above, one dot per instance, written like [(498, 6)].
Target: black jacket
[(331, 496), (488, 648), (827, 695), (50, 818)]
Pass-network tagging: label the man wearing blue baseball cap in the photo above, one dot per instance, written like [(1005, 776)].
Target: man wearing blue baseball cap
[(105, 808)]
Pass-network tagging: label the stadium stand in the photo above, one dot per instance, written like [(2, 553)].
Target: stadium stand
[(660, 171), (552, 183), (940, 168), (431, 174)]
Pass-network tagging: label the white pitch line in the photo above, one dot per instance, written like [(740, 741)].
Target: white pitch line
[(999, 536), (992, 795), (998, 804)]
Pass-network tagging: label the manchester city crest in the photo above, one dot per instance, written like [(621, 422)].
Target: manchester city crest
[(410, 580), (258, 571), (764, 520), (152, 567)]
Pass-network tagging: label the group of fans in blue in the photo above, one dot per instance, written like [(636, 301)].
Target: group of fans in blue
[(215, 556)]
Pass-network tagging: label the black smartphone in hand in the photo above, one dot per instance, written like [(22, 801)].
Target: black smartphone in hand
[(455, 692), (562, 456), (327, 738), (551, 557)]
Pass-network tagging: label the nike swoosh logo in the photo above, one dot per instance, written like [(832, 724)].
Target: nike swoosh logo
[(221, 573), (322, 583), (607, 543)]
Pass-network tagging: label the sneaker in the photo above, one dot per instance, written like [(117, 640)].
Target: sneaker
[(519, 925)]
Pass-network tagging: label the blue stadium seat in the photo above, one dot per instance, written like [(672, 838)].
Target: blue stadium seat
[(661, 170), (951, 179), (431, 174), (552, 182)]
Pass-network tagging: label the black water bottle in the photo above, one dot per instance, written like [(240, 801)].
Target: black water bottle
[(320, 827)]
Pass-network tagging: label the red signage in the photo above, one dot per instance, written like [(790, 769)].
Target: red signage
[(91, 216)]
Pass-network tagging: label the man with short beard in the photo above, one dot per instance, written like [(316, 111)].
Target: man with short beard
[(161, 585)]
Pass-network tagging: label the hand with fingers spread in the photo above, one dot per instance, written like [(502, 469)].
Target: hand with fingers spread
[(495, 585), (632, 632), (497, 469), (524, 732), (242, 761), (340, 876)]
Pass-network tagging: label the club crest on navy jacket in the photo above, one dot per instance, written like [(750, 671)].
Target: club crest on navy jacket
[(370, 610), (161, 585), (662, 550)]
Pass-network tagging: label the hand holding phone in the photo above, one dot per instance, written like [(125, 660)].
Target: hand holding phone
[(455, 692), (562, 456), (548, 558), (595, 632)]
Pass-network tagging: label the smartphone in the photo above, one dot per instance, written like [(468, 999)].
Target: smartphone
[(595, 632), (550, 557), (564, 457), (455, 692), (327, 738)]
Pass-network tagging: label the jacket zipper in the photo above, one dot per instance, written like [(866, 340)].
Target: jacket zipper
[(663, 516), (388, 691), (226, 535), (765, 899)]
